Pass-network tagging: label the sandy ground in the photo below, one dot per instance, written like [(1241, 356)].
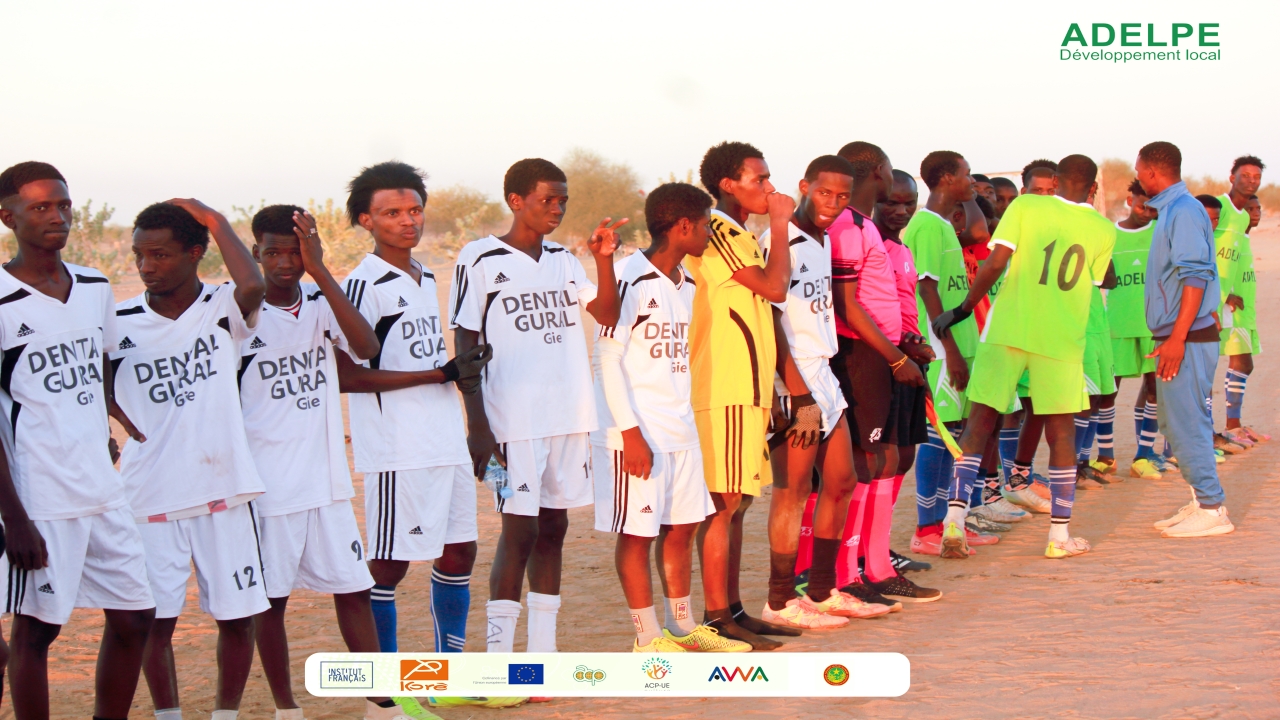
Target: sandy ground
[(1142, 627)]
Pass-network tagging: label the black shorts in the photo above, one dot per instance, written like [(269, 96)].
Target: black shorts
[(881, 410)]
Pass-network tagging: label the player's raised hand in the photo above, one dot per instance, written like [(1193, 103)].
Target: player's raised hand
[(637, 456), (24, 545), (781, 206), (942, 324), (605, 239), (203, 214), (304, 226)]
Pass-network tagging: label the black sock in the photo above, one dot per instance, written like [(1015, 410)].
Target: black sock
[(822, 574), (728, 627), (758, 626), (782, 579), (386, 704)]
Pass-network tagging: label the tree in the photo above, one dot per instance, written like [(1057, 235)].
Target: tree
[(456, 215), (599, 189), (1114, 176)]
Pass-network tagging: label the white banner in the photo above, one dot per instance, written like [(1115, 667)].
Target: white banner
[(609, 674)]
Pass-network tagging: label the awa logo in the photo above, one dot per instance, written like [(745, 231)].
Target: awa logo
[(424, 674), (724, 674)]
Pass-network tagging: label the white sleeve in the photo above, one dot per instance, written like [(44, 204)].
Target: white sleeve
[(586, 288), (241, 326), (333, 329), (110, 338), (466, 293), (614, 383)]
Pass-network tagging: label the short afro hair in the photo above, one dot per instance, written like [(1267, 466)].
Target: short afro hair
[(187, 231), (1078, 169), (904, 177), (1003, 182), (725, 160), (274, 219), (1209, 201), (670, 203), (988, 210), (939, 164), (829, 164), (1049, 165), (864, 157), (523, 177), (979, 177), (1162, 155), (1135, 188), (1239, 163), (13, 178), (390, 175)]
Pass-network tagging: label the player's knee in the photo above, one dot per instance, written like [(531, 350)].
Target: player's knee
[(553, 526), (32, 634), (388, 573), (239, 630), (458, 558), (131, 626)]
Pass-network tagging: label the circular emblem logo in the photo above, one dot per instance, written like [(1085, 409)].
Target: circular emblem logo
[(836, 674)]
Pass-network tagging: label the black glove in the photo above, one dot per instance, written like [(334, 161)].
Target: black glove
[(942, 324), (469, 364)]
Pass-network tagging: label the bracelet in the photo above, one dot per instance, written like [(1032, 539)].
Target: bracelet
[(894, 366)]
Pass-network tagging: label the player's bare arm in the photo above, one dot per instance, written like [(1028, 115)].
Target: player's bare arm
[(1169, 353), (360, 336), (481, 443), (243, 269), (23, 543), (957, 368), (772, 282), (975, 225), (845, 292), (988, 273), (357, 378), (113, 408), (806, 416), (603, 243)]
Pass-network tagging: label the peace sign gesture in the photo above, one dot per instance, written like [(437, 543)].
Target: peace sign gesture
[(604, 240)]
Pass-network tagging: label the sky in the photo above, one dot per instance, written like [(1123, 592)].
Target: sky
[(238, 102)]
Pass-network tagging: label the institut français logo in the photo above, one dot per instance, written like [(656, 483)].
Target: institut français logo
[(1128, 42)]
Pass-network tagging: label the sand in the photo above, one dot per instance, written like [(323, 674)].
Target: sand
[(1142, 627)]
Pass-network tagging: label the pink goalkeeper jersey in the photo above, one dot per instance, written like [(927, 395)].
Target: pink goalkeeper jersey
[(858, 253), (904, 269)]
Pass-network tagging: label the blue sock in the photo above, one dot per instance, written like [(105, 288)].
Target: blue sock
[(929, 460), (1082, 430), (963, 479), (1138, 415), (450, 602), (1150, 428), (383, 601), (942, 486), (1107, 432), (1235, 382), (1062, 490), (980, 483), (1086, 448), (1008, 449)]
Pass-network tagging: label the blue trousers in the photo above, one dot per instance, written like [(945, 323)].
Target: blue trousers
[(1187, 423)]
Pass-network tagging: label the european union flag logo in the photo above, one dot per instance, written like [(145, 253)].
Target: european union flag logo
[(524, 674)]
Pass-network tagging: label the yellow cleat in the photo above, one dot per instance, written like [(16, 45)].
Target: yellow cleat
[(489, 702), (1067, 548), (707, 639), (660, 644), (1144, 469)]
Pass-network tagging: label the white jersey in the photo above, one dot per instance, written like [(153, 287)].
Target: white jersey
[(413, 428), (807, 315), (176, 380), (292, 407), (538, 383), (653, 327), (55, 429)]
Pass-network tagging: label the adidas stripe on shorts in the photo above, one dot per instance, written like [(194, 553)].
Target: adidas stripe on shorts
[(318, 549), (551, 472), (94, 562), (412, 514), (674, 494)]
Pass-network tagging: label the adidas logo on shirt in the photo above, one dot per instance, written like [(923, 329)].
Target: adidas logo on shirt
[(755, 255), (803, 268), (523, 488), (257, 343), (127, 344), (24, 331), (402, 303), (46, 588), (1137, 262), (646, 509), (416, 531), (653, 303), (501, 279)]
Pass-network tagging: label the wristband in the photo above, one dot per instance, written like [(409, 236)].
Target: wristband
[(893, 367)]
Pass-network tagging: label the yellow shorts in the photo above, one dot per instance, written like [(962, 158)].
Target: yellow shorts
[(735, 456)]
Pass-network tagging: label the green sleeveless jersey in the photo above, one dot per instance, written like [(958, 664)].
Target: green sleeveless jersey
[(1126, 307)]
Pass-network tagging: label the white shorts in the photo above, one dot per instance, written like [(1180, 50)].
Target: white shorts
[(410, 515), (824, 387), (94, 562), (551, 472), (675, 493), (224, 548), (317, 549)]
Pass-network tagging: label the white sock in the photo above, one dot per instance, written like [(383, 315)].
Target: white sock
[(290, 714), (502, 616), (679, 616), (646, 622), (169, 714), (373, 711), (956, 515), (224, 715), (542, 622), (1058, 531)]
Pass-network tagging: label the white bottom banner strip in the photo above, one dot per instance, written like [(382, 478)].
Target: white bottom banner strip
[(609, 674)]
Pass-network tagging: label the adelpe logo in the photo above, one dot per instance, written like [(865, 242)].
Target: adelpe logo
[(424, 674), (724, 674)]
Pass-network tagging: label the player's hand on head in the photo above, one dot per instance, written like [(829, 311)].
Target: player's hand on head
[(806, 421), (304, 226), (781, 205), (25, 546), (203, 214), (605, 239)]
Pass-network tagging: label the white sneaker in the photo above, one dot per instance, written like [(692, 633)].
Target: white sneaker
[(1027, 498), (994, 515), (802, 615), (1202, 523), (1183, 513), (1007, 508)]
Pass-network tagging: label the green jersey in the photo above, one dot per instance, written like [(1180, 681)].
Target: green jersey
[(1246, 286), (1241, 281), (937, 254), (1227, 242), (1097, 314), (1060, 253), (1126, 307)]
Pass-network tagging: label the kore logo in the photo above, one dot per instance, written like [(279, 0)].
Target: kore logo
[(724, 674), (424, 674), (501, 279), (874, 436), (401, 303), (24, 331), (257, 343), (127, 344), (653, 303), (416, 531), (46, 589)]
